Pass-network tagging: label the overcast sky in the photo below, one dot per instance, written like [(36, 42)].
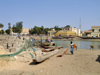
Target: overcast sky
[(49, 13)]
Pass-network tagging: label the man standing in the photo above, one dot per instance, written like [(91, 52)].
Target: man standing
[(72, 49)]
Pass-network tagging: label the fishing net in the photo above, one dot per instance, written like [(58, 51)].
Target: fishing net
[(25, 49)]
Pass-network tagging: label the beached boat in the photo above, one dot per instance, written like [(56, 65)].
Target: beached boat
[(43, 57), (51, 49), (49, 43)]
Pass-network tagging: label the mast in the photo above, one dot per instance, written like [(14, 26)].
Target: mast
[(80, 27), (80, 24)]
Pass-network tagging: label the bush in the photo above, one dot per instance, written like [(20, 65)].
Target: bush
[(8, 31), (1, 31)]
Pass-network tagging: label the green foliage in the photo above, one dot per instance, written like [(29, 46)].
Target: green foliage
[(42, 30), (9, 25), (68, 26), (46, 31), (8, 31), (96, 36), (57, 28), (1, 25), (1, 31), (18, 27), (38, 30)]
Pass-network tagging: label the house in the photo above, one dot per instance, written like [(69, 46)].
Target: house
[(65, 33), (51, 32), (95, 31), (73, 29), (87, 33), (25, 31)]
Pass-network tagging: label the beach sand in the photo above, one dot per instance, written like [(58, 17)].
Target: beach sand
[(82, 62)]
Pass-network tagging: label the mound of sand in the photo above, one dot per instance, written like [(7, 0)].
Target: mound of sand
[(3, 62), (3, 51)]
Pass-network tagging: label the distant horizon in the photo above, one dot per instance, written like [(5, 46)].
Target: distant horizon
[(50, 13)]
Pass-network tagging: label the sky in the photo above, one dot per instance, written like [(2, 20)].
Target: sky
[(50, 13)]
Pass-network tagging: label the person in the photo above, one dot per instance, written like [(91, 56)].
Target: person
[(74, 46), (72, 49), (19, 36), (51, 40), (47, 40)]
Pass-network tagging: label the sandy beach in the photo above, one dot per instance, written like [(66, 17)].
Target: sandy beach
[(83, 62)]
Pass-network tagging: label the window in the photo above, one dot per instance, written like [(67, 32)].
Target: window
[(92, 30), (99, 30)]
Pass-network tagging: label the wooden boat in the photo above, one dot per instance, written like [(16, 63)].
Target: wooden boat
[(44, 57), (62, 52), (51, 49), (49, 43)]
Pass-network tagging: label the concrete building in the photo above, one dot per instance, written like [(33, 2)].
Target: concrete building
[(65, 33), (25, 31), (87, 33), (95, 31), (73, 29), (51, 32)]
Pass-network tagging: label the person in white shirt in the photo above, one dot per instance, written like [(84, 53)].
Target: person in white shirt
[(72, 49)]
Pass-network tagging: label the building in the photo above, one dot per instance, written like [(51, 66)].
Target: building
[(87, 33), (65, 33), (25, 31), (51, 32), (95, 31), (73, 29)]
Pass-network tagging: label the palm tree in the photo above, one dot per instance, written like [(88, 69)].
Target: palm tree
[(9, 25)]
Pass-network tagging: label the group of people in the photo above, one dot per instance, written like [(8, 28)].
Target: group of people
[(47, 40)]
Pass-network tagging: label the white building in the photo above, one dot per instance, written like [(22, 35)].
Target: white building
[(95, 31), (25, 31), (73, 29)]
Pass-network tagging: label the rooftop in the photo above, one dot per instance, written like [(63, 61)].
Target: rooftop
[(95, 26)]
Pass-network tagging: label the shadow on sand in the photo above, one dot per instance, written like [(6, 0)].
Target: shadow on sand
[(68, 54), (34, 63), (98, 59)]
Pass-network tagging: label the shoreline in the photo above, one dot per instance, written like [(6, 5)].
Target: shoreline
[(82, 62), (78, 39)]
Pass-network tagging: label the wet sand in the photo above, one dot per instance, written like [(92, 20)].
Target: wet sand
[(82, 62)]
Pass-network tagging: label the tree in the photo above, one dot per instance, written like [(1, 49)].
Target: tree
[(1, 31), (38, 30), (46, 31), (57, 28), (9, 25), (1, 25), (18, 27), (42, 29), (8, 31), (68, 26)]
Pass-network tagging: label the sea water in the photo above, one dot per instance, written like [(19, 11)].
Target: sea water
[(79, 44)]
